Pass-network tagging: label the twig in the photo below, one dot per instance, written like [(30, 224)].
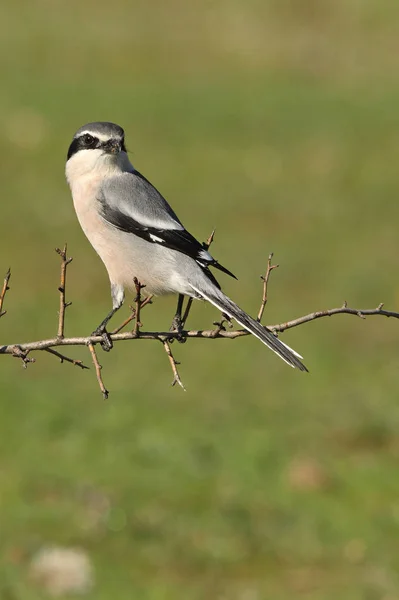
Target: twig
[(137, 300), (63, 305), (200, 333), (265, 279), (209, 240), (3, 292), (98, 368), (22, 351), (62, 357), (19, 352), (343, 310), (132, 316), (147, 300), (173, 364), (220, 325)]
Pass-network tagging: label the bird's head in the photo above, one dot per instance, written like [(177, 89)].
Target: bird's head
[(97, 147)]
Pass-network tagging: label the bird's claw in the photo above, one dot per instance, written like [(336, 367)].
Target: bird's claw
[(106, 343), (176, 323), (177, 327)]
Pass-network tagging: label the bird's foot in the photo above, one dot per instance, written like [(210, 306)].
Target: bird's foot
[(106, 343), (221, 324), (177, 327), (228, 320)]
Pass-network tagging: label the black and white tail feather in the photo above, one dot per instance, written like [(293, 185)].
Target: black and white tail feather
[(227, 306)]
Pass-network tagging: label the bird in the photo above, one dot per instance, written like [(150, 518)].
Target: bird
[(139, 237)]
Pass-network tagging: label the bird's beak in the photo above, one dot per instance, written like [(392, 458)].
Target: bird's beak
[(112, 146)]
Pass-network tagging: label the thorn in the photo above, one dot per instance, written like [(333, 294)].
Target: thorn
[(179, 381), (209, 240)]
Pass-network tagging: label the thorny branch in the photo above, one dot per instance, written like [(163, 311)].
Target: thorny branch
[(265, 279), (62, 357), (23, 350), (138, 303), (3, 292), (63, 305), (132, 316), (22, 353), (173, 364), (342, 310), (98, 368)]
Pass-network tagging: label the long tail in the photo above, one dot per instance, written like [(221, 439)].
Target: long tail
[(227, 306)]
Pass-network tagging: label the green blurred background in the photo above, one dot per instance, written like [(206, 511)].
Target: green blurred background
[(277, 123)]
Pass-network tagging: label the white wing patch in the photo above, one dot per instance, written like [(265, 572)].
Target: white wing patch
[(205, 255), (155, 238), (151, 221)]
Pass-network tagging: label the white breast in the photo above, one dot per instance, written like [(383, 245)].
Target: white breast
[(125, 255)]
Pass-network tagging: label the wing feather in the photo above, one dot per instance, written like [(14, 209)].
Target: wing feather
[(132, 204)]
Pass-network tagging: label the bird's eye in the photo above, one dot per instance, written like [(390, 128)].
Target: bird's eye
[(88, 139)]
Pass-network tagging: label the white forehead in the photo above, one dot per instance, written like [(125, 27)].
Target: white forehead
[(103, 130), (103, 137)]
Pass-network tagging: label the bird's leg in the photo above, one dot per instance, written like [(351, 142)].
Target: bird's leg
[(187, 311), (177, 323), (106, 344), (220, 324), (117, 301), (228, 319)]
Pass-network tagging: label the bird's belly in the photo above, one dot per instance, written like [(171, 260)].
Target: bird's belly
[(126, 256)]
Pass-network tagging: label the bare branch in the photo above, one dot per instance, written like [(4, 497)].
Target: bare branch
[(23, 350), (132, 316), (265, 279), (63, 305), (3, 292), (147, 300), (62, 357), (200, 333), (343, 310), (209, 240), (98, 368), (18, 352), (173, 364), (137, 300)]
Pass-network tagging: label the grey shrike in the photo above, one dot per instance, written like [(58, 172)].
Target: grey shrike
[(137, 234)]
